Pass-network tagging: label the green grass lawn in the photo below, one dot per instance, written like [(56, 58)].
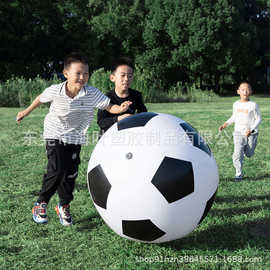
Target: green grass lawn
[(234, 235)]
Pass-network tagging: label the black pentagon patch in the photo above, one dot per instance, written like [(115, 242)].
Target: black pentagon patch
[(137, 120), (208, 207), (144, 230), (174, 179), (195, 138), (99, 186)]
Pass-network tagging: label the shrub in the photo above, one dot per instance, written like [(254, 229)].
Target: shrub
[(100, 79), (19, 92), (189, 93), (151, 91)]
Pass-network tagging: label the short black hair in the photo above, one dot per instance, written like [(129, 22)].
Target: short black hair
[(74, 57), (122, 61), (245, 82)]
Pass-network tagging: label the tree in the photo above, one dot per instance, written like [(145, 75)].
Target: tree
[(189, 41), (202, 39), (118, 27), (37, 32)]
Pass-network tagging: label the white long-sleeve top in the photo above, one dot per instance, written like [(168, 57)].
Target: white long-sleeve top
[(246, 115)]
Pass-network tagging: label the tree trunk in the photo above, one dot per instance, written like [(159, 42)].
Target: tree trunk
[(217, 77)]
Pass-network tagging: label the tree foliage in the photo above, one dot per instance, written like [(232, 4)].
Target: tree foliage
[(172, 41)]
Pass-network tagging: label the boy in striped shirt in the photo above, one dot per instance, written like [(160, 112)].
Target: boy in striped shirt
[(72, 105)]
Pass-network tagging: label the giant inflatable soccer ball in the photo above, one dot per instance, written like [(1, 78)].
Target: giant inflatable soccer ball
[(152, 178)]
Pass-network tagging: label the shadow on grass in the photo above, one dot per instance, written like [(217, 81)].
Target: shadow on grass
[(237, 199), (13, 250), (81, 186), (227, 237), (2, 163), (2, 233), (250, 178), (230, 212), (247, 178), (34, 193), (88, 223), (41, 232)]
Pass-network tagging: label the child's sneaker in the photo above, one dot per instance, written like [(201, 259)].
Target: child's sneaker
[(40, 212), (238, 178), (64, 214)]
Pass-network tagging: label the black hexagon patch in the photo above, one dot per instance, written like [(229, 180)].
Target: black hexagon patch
[(137, 120), (195, 138), (99, 186), (174, 179), (144, 230), (208, 207)]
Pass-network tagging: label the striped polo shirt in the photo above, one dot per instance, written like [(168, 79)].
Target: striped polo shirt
[(69, 118)]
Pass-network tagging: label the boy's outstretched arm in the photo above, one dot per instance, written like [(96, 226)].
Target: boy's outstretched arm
[(116, 109), (228, 122), (29, 109)]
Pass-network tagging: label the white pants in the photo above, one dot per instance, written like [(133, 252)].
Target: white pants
[(243, 145)]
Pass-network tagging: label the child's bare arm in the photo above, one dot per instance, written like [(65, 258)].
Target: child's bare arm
[(223, 126), (116, 109), (29, 109)]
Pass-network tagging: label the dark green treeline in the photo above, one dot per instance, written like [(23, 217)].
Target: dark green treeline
[(210, 42)]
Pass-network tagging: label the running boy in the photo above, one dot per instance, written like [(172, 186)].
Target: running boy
[(65, 126), (121, 76), (246, 116)]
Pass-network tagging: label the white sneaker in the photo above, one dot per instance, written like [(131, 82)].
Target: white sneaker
[(64, 214)]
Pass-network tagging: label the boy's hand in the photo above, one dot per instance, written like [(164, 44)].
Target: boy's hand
[(248, 132), (222, 126), (124, 106), (118, 109), (123, 116), (20, 116), (28, 110)]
